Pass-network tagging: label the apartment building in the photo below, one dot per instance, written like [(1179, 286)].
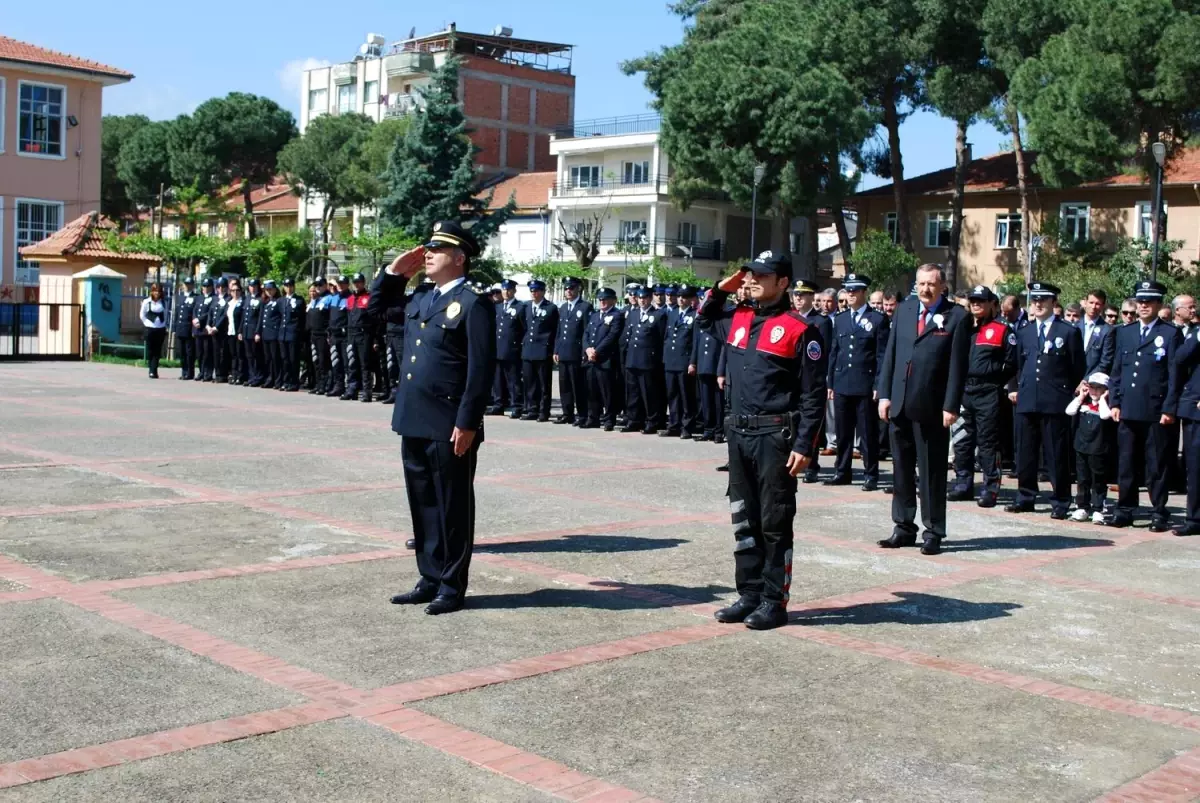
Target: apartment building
[(1104, 210), (50, 109)]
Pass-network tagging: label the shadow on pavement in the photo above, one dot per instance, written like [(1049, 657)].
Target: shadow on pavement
[(1031, 542), (911, 609), (628, 597), (584, 543)]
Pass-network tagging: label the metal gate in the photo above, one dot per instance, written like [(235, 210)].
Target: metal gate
[(41, 332)]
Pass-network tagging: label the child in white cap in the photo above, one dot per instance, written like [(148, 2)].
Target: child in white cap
[(1093, 441)]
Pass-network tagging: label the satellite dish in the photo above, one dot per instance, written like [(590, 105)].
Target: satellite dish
[(412, 34)]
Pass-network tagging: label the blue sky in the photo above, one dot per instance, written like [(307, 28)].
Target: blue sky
[(183, 54)]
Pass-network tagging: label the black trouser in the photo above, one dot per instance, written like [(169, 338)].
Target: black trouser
[(395, 351), (573, 389), (509, 373), (273, 377), (1143, 446), (712, 404), (539, 377), (256, 359), (981, 406), (242, 348), (919, 449), (856, 415), (339, 356), (1038, 434), (762, 502), (204, 354), (377, 364), (185, 352), (602, 408), (358, 376), (441, 498), (221, 355), (1091, 487), (643, 404), (307, 373), (660, 395), (318, 360), (290, 350), (620, 377), (499, 388), (681, 401), (1191, 453), (236, 367), (154, 345)]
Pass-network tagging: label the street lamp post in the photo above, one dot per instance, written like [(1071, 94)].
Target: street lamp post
[(759, 171), (1159, 150)]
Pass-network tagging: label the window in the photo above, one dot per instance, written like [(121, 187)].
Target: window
[(40, 122), (318, 102), (1075, 221), (585, 176), (1008, 230), (1145, 214), (891, 226), (347, 98), (371, 92), (528, 240), (36, 220), (582, 230), (636, 173), (633, 229), (937, 229), (688, 233)]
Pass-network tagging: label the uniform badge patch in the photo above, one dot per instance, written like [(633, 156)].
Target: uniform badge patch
[(453, 310), (512, 312), (738, 336), (578, 313), (988, 333), (1058, 342), (1012, 339), (813, 351), (866, 325), (608, 319), (1158, 341), (777, 334)]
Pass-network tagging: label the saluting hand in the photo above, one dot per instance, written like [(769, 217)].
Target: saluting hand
[(732, 283), (796, 463), (408, 263), (462, 440)]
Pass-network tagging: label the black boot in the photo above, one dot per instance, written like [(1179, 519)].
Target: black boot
[(767, 616), (738, 611)]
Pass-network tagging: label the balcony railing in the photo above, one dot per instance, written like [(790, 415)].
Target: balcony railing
[(606, 186), (397, 105), (610, 127), (665, 248)]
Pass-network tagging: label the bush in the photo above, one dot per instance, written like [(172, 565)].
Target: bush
[(889, 265), (1119, 272)]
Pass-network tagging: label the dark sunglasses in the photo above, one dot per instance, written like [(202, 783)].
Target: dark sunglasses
[(1110, 316), (1127, 312)]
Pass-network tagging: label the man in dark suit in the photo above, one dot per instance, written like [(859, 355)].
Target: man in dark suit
[(803, 295), (1050, 366), (601, 361), (537, 351), (573, 317), (510, 332), (1099, 337), (1187, 378), (920, 389), (645, 329), (449, 359), (1143, 394), (859, 341), (679, 371)]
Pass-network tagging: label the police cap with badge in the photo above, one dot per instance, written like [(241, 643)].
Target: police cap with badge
[(536, 284), (803, 287), (642, 291), (778, 263), (572, 282), (508, 284), (189, 281), (981, 293), (1150, 291), (451, 234), (1043, 290), (856, 281), (606, 294), (687, 291)]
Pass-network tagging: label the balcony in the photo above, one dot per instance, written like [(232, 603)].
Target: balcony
[(609, 186), (640, 246), (408, 63), (399, 105), (610, 127)]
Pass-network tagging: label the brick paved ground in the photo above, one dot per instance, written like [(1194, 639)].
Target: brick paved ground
[(193, 606)]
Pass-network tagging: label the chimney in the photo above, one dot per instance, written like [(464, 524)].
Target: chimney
[(967, 157)]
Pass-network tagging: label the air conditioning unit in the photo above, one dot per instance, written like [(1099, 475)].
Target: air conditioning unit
[(502, 30)]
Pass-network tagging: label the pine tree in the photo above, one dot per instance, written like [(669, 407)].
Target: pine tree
[(431, 174)]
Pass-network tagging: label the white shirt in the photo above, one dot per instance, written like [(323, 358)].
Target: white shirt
[(450, 285), (157, 307)]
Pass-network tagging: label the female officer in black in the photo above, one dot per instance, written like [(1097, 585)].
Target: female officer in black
[(269, 327)]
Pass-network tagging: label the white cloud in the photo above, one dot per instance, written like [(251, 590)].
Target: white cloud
[(291, 74), (156, 101)]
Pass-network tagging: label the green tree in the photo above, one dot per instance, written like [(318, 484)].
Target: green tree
[(889, 265), (115, 131), (377, 150), (431, 175), (370, 248), (143, 163)]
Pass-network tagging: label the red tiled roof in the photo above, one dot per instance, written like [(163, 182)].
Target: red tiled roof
[(999, 172), (273, 197), (532, 189), (12, 50), (84, 237)]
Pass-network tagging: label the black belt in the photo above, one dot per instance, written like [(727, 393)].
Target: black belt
[(754, 423)]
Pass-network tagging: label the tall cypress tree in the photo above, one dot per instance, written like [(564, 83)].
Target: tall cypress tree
[(431, 174)]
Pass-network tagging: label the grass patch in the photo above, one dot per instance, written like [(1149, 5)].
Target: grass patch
[(112, 359)]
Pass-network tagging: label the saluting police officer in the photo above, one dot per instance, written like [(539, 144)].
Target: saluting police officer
[(449, 355), (778, 400), (181, 325), (201, 311), (856, 350), (802, 302), (1144, 394), (573, 317), (678, 368), (992, 364), (510, 334), (1050, 366), (291, 335), (1187, 368), (537, 351), (602, 360)]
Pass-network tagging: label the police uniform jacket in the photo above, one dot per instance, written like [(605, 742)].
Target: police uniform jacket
[(776, 363), (924, 376), (182, 324), (680, 339), (251, 315), (993, 355), (1144, 380), (218, 316), (356, 312), (449, 357), (510, 330), (706, 350), (1099, 351), (1047, 375), (272, 319), (316, 319), (603, 334), (202, 313), (1187, 369), (856, 351), (291, 324), (568, 344), (339, 313), (541, 325), (645, 329)]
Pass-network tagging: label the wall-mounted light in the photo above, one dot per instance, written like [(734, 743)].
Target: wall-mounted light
[(72, 120)]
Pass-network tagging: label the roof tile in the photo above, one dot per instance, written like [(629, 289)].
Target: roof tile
[(532, 189), (13, 50), (83, 236)]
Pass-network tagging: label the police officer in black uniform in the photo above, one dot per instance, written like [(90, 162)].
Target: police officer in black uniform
[(201, 311), (510, 334), (678, 369), (856, 350), (1187, 368), (251, 335), (707, 353), (358, 343), (270, 325), (803, 296), (537, 351), (993, 363), (602, 360), (316, 321), (778, 400), (645, 330), (291, 335), (339, 313), (1143, 393), (218, 327), (181, 325), (393, 335), (1050, 366), (573, 317), (450, 351)]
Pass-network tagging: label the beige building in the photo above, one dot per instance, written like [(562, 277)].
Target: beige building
[(50, 109), (1119, 206)]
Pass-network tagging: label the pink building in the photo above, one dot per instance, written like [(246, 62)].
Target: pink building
[(49, 151)]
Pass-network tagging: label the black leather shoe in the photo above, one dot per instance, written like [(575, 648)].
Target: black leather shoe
[(348, 397), (587, 425), (1160, 526), (630, 428), (1184, 532), (707, 436), (543, 419), (718, 438), (987, 500), (1119, 521), (1058, 515), (668, 433), (767, 616), (723, 468), (683, 433), (649, 431), (444, 604), (494, 411), (897, 540), (335, 392), (960, 495), (931, 546), (564, 420), (810, 477), (366, 398), (1017, 507), (609, 427), (837, 481), (418, 596), (391, 399), (410, 543), (870, 485), (738, 611)]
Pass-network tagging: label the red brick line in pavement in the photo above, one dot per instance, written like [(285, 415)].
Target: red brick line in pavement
[(1113, 590), (1177, 781)]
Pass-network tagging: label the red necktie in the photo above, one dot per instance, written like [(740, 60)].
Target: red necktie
[(921, 323)]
